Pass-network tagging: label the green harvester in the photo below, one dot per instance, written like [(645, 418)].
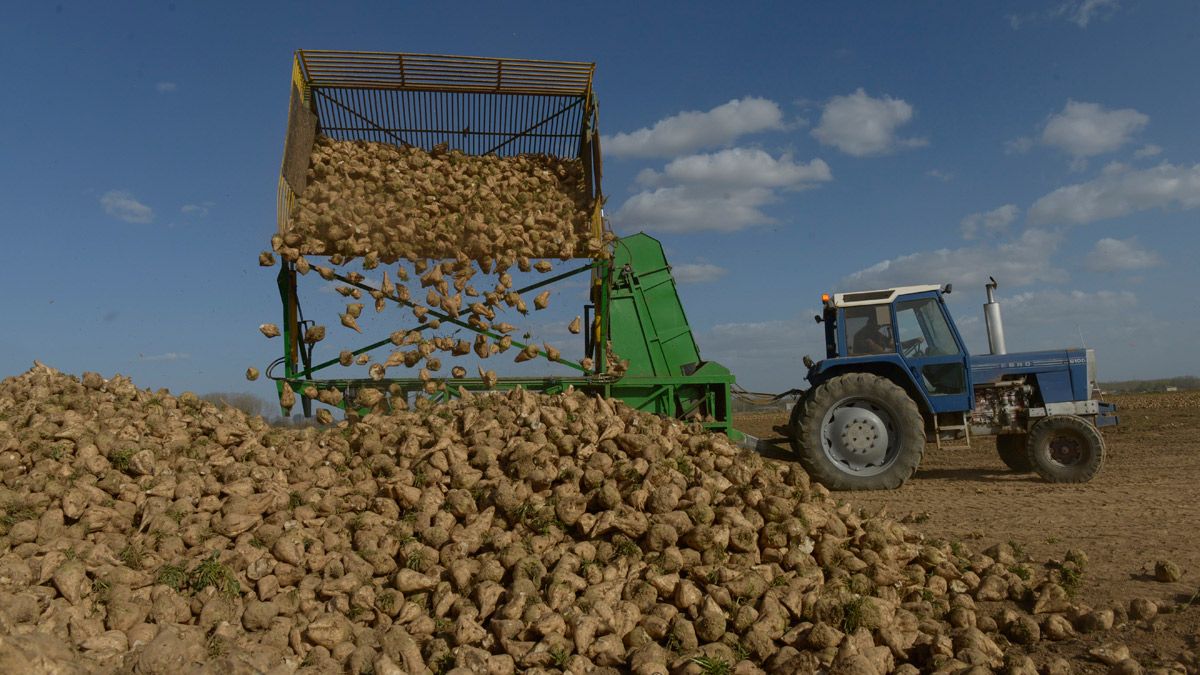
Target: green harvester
[(507, 107)]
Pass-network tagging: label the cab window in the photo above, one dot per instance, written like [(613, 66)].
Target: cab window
[(922, 329), (869, 330)]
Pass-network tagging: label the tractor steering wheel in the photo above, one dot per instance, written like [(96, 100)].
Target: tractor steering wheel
[(912, 347)]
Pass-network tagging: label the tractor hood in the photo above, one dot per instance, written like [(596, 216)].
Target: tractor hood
[(1062, 374)]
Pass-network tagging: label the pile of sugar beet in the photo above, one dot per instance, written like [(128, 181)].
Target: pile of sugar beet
[(498, 533), (368, 198)]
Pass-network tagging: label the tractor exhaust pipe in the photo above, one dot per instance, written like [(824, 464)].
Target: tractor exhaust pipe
[(991, 316)]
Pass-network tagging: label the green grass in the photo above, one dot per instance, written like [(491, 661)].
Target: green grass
[(120, 458), (712, 666), (174, 576), (628, 549), (1017, 549), (684, 466), (15, 512), (211, 572), (561, 657), (853, 614), (522, 512), (1071, 580), (215, 646), (740, 653), (1021, 571), (1190, 601), (386, 601), (443, 663), (101, 588), (132, 555)]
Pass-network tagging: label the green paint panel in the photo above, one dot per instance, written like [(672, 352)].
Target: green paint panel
[(641, 315), (646, 320)]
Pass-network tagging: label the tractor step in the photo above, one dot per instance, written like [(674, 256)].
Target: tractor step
[(955, 424)]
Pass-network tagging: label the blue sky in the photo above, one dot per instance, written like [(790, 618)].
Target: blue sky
[(779, 150)]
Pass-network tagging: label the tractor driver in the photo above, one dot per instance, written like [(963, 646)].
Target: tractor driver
[(872, 338)]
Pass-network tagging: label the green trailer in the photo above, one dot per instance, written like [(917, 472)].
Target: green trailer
[(514, 106)]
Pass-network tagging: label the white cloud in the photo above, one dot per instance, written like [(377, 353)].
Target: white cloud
[(1118, 191), (1149, 150), (1018, 146), (165, 87), (1120, 255), (944, 176), (1078, 12), (765, 355), (860, 125), (1057, 319), (1081, 13), (693, 209), (738, 168), (697, 273), (121, 204), (989, 223), (723, 191), (168, 356), (194, 210), (1059, 306), (692, 130), (1088, 129), (1024, 260)]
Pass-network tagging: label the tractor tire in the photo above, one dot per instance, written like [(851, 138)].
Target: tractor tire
[(858, 432), (1065, 449), (1014, 452)]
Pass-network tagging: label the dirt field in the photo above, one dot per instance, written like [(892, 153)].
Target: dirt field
[(1143, 507)]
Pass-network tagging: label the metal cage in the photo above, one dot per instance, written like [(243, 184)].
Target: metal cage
[(478, 105), (507, 107)]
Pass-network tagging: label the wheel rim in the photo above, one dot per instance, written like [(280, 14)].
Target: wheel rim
[(1066, 449), (860, 437)]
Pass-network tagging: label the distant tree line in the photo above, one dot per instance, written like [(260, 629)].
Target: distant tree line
[(1145, 386), (257, 407)]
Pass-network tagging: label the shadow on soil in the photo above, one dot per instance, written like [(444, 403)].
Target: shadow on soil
[(976, 475), (779, 448), (775, 448)]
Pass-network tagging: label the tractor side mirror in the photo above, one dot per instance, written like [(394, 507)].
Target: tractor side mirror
[(818, 318), (948, 289)]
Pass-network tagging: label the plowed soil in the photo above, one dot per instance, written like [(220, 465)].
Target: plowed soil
[(1144, 506)]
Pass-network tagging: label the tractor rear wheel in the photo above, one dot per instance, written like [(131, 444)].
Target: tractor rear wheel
[(858, 432), (1065, 449), (1014, 452)]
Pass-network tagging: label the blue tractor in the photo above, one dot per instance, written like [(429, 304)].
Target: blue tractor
[(897, 373)]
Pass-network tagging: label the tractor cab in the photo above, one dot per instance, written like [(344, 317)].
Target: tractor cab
[(905, 334), (897, 374)]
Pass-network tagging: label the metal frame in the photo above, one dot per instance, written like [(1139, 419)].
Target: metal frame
[(656, 394), (479, 106), (475, 104)]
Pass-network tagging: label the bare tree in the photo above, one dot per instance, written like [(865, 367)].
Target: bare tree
[(247, 403)]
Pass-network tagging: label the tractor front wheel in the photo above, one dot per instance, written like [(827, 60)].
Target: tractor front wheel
[(1014, 452), (1065, 449), (858, 432)]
